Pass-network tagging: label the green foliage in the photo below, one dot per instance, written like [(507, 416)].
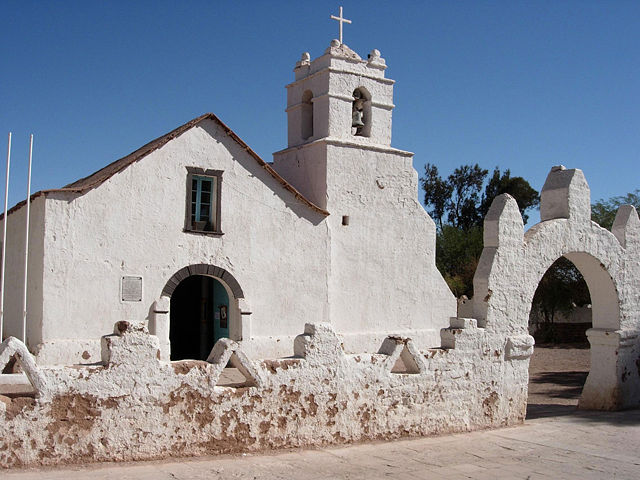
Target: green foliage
[(603, 212), (460, 200), (436, 193), (457, 254), (526, 196), (466, 183)]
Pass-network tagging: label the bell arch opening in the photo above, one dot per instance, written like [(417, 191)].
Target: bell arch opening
[(306, 123), (361, 113)]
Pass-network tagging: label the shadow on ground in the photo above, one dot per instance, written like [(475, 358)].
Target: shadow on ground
[(559, 384), (545, 410), (624, 417)]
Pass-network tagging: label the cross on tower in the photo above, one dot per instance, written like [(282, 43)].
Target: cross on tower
[(342, 20)]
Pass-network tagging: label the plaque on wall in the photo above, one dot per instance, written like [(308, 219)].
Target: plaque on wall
[(131, 289)]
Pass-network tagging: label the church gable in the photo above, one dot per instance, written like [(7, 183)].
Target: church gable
[(202, 197), (98, 178)]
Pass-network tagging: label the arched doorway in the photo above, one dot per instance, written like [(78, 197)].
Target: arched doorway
[(513, 262), (199, 316), (199, 304), (559, 319), (605, 319)]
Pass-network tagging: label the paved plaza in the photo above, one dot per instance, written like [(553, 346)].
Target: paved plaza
[(561, 444)]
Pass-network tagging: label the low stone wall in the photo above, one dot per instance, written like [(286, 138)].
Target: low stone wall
[(133, 406)]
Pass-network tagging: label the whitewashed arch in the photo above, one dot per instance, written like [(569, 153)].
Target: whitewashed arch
[(239, 310), (513, 263)]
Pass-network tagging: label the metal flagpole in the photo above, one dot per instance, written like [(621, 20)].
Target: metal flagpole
[(4, 238), (26, 246)]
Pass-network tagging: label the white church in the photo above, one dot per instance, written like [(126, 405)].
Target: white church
[(199, 237)]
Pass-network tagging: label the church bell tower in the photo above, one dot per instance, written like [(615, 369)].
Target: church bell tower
[(340, 96), (381, 273), (340, 100)]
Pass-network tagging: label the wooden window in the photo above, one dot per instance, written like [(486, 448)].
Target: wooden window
[(203, 200)]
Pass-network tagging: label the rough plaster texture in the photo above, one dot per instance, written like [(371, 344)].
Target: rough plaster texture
[(513, 262), (133, 225), (375, 275), (134, 406), (378, 271), (293, 264)]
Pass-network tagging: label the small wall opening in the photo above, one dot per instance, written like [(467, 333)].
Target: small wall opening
[(361, 113), (199, 317), (306, 123), (560, 315)]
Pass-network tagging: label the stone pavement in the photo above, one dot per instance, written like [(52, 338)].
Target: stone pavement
[(559, 443)]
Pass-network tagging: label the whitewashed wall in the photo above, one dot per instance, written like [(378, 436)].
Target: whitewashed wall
[(384, 278), (14, 280), (373, 277), (134, 406), (513, 263), (133, 224)]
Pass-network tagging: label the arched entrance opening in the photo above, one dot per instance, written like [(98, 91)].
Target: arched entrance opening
[(561, 308), (572, 283), (199, 316), (199, 305), (559, 319)]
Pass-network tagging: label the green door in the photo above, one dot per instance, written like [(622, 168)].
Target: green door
[(220, 312)]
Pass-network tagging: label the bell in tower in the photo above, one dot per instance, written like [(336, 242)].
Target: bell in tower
[(336, 104), (357, 112)]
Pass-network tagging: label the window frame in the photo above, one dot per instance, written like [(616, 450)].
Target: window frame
[(216, 176)]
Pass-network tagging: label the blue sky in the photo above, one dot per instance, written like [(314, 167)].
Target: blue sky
[(521, 85)]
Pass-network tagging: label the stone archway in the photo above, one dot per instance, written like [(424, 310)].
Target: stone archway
[(203, 269), (604, 296), (238, 309), (512, 264)]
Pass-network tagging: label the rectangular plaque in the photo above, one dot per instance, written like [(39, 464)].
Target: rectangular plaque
[(131, 289)]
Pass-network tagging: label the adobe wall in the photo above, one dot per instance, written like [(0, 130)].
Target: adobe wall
[(134, 406), (383, 266), (513, 263), (368, 279), (133, 224)]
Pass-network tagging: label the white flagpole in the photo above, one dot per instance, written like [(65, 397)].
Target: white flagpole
[(4, 237), (26, 246)]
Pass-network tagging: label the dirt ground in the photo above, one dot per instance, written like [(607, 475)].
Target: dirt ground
[(556, 376)]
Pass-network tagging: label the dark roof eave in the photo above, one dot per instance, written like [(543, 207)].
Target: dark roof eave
[(97, 178)]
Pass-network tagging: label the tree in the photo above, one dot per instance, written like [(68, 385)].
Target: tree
[(457, 197), (436, 193), (457, 254), (526, 196), (461, 201), (603, 212), (465, 183)]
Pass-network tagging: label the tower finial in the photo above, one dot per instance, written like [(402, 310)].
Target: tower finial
[(342, 20)]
